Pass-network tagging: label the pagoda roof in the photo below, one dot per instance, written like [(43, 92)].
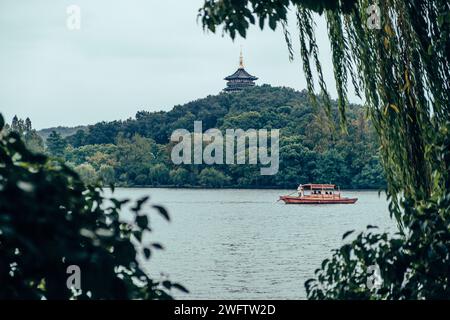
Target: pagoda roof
[(241, 74)]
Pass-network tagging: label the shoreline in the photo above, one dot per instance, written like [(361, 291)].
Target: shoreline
[(228, 188)]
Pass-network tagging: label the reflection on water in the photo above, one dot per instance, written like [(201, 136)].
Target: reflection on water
[(242, 244)]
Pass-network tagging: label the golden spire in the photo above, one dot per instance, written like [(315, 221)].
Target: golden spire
[(241, 60)]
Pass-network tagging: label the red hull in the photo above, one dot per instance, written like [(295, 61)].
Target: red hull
[(316, 200)]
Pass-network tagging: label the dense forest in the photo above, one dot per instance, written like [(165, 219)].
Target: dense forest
[(136, 152)]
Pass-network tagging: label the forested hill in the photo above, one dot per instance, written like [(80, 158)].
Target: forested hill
[(137, 151), (271, 104)]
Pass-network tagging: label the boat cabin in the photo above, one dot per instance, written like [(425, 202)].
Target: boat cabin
[(319, 190)]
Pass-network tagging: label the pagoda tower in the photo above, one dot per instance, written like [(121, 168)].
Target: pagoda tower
[(241, 79)]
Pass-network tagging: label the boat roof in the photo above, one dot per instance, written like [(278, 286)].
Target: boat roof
[(318, 186)]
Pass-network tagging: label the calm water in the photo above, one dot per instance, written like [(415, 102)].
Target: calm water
[(242, 244)]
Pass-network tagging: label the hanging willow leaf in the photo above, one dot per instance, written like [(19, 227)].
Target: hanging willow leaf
[(402, 72)]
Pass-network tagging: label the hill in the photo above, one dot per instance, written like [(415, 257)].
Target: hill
[(63, 131), (137, 151)]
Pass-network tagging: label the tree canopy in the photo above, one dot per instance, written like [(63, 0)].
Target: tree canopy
[(138, 150)]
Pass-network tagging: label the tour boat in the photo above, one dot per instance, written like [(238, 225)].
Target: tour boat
[(317, 194)]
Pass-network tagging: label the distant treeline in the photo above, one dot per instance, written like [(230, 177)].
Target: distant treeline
[(136, 152), (63, 131)]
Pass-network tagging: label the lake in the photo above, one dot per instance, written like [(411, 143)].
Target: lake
[(242, 244)]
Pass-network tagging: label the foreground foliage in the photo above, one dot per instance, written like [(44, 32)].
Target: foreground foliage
[(50, 221), (402, 70), (414, 264)]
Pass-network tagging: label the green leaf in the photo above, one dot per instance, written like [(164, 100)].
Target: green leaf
[(142, 222), (147, 253), (180, 287), (272, 23), (167, 284), (347, 234), (163, 212), (157, 246)]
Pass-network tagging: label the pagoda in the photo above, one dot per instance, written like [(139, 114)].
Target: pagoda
[(241, 79)]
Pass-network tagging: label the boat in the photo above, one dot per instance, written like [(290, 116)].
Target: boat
[(317, 194)]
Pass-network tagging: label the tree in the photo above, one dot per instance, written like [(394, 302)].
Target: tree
[(15, 124), (18, 125), (78, 139), (106, 174), (135, 156), (50, 222), (28, 126), (97, 154), (244, 121), (136, 150), (87, 173), (210, 177), (180, 177), (99, 158), (102, 133), (297, 165), (331, 168), (158, 174), (34, 142), (56, 144), (402, 71), (370, 175)]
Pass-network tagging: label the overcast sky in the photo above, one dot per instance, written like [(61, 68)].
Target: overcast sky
[(129, 55)]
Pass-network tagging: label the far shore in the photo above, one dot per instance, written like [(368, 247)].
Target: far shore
[(229, 188)]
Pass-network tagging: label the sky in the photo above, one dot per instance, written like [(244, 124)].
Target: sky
[(127, 56)]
